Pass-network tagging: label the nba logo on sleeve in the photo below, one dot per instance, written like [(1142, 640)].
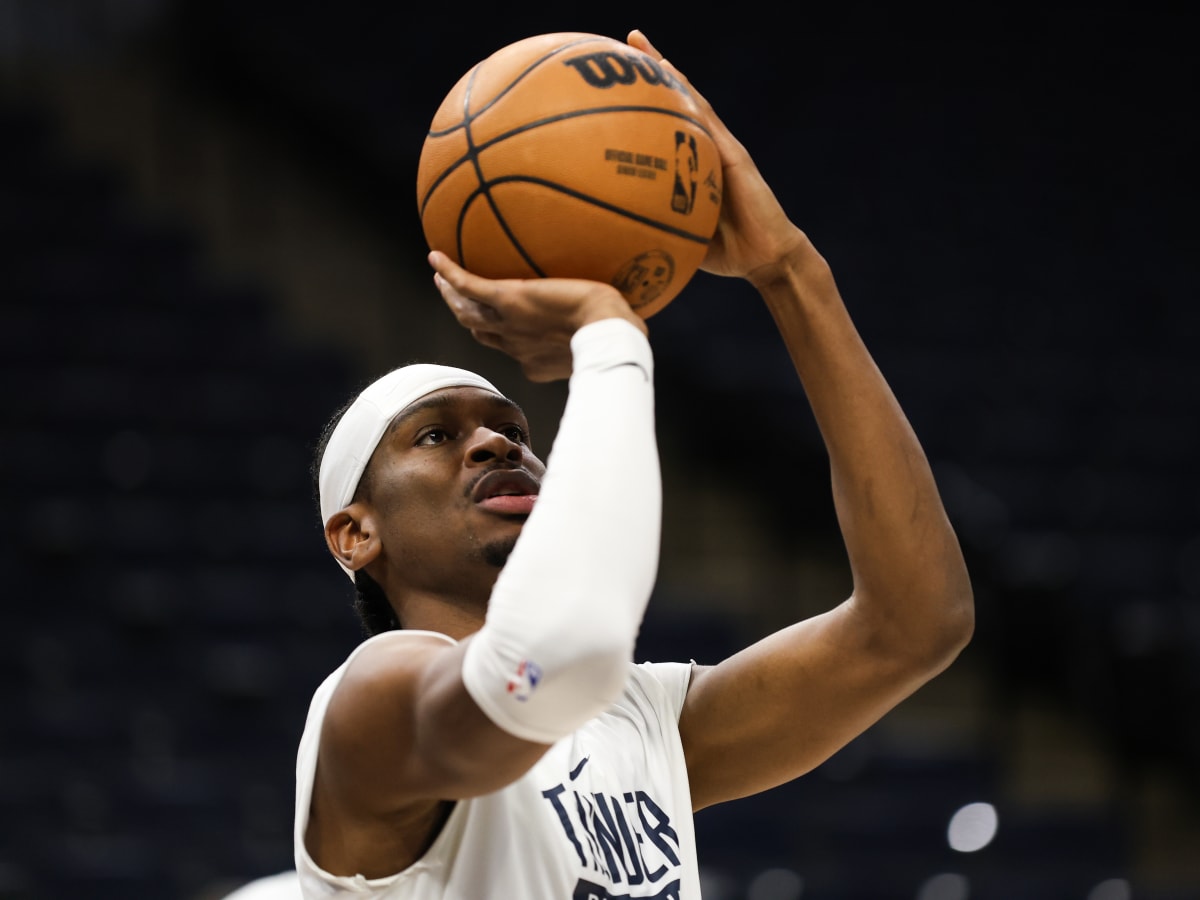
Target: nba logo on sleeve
[(521, 684)]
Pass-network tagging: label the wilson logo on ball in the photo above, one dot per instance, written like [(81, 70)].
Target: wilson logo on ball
[(605, 68)]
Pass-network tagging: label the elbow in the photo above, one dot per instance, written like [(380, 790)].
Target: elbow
[(950, 629), (949, 612), (960, 626), (960, 609), (928, 628)]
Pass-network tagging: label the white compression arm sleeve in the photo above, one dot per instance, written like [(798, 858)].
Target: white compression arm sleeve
[(563, 617)]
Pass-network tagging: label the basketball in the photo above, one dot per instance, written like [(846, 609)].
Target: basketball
[(572, 155)]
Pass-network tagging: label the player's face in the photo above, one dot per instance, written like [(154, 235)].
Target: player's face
[(452, 483)]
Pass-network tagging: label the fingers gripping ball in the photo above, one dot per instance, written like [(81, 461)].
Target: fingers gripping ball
[(572, 155)]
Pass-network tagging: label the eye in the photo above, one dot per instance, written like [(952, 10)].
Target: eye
[(429, 436), (515, 433)]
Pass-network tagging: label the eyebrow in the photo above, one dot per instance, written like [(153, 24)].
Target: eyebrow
[(441, 401)]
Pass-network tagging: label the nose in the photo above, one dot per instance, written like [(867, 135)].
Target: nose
[(486, 445)]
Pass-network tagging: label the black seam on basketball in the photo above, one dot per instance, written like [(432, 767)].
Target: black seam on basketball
[(473, 156), (468, 116), (485, 189), (473, 151), (576, 113), (482, 190), (580, 113)]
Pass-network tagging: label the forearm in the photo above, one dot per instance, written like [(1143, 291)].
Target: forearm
[(572, 595), (905, 560)]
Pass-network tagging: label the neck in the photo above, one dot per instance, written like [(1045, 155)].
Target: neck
[(434, 614), (456, 607)]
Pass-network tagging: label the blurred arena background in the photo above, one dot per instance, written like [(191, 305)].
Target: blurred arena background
[(209, 239)]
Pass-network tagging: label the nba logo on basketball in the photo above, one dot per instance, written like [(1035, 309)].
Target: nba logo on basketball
[(686, 162), (522, 683)]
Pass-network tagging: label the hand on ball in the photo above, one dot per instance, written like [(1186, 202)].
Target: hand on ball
[(532, 320)]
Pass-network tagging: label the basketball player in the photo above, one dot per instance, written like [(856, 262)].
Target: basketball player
[(495, 738)]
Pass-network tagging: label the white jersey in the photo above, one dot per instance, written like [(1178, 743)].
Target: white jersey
[(280, 886), (605, 814)]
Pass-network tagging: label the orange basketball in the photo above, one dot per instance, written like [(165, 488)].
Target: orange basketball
[(572, 155)]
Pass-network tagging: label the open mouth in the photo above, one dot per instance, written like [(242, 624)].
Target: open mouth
[(506, 491)]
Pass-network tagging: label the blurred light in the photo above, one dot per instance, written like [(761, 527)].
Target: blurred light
[(972, 827), (775, 884), (1112, 889), (946, 886)]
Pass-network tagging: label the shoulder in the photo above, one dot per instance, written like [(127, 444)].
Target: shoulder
[(395, 644), (660, 685), (368, 657), (385, 661)]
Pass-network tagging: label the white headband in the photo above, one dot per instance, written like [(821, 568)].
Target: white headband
[(361, 427)]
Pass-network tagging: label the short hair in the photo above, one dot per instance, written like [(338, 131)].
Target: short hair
[(375, 613)]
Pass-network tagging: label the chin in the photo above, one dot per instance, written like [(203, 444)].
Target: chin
[(496, 553)]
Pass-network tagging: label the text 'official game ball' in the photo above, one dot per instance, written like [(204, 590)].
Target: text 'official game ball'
[(572, 155)]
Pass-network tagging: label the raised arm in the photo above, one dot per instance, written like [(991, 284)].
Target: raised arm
[(418, 720), (777, 709)]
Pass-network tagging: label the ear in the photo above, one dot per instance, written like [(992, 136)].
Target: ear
[(352, 538)]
